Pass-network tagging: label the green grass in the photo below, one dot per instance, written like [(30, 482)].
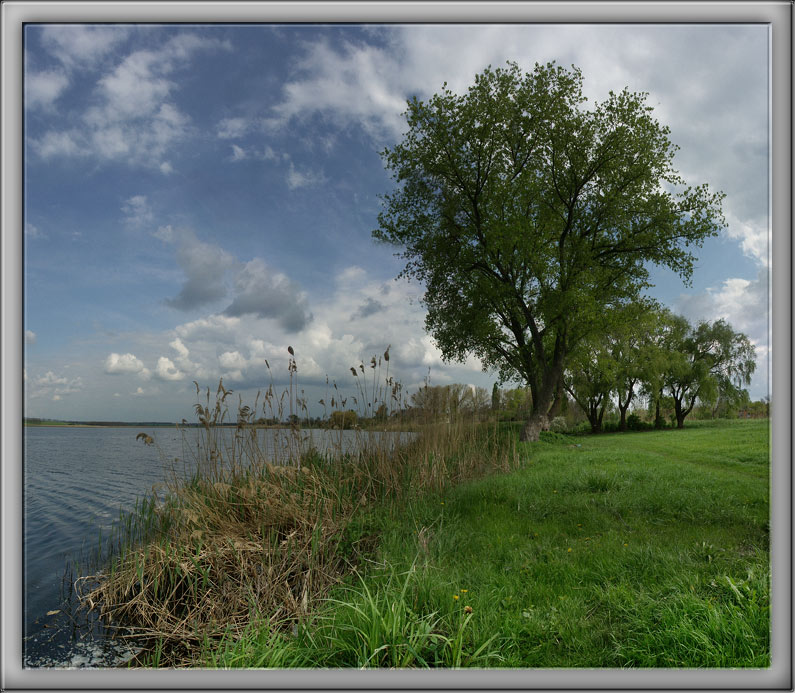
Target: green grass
[(621, 550)]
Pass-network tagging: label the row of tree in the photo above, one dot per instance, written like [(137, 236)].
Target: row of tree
[(440, 403), (644, 353), (649, 351)]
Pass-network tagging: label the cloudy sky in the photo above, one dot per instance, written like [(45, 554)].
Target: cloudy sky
[(197, 198)]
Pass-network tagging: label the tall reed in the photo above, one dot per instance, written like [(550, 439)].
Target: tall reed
[(247, 533)]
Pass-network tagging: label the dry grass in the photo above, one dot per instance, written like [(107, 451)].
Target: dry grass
[(242, 539), (260, 546)]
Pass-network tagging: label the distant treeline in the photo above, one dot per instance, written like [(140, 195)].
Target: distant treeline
[(272, 423), (32, 421)]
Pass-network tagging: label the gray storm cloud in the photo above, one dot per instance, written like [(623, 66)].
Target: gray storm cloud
[(371, 306), (205, 266), (267, 294), (212, 274)]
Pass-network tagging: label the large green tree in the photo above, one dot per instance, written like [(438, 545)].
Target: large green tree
[(526, 214)]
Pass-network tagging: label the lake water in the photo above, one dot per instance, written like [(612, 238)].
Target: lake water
[(76, 483)]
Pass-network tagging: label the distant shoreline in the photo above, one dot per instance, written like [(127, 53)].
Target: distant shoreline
[(65, 425), (114, 424), (148, 424)]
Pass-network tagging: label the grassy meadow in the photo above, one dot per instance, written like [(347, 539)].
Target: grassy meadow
[(623, 550), (463, 549)]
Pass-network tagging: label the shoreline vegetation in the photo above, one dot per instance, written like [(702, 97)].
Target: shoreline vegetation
[(126, 424), (461, 548)]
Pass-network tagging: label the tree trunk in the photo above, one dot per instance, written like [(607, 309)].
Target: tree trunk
[(680, 413), (622, 424), (657, 420), (557, 405), (535, 424), (539, 418), (594, 419), (602, 414)]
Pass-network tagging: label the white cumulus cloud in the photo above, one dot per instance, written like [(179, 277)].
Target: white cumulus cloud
[(754, 238), (166, 370), (261, 291), (117, 364), (54, 143), (53, 386), (49, 378)]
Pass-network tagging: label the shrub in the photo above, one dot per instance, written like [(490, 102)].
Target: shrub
[(635, 423), (553, 437)]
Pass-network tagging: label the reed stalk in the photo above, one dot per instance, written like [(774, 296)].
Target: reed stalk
[(245, 534)]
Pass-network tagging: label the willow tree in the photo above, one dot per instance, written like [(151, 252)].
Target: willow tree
[(526, 215), (705, 362), (591, 378), (634, 352)]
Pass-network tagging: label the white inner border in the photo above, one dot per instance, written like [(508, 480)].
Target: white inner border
[(779, 17)]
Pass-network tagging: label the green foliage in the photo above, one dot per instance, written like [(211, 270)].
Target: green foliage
[(525, 215), (495, 397), (591, 378), (756, 410), (343, 419), (634, 351), (261, 646), (389, 620), (516, 404), (709, 362), (635, 423), (556, 437)]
